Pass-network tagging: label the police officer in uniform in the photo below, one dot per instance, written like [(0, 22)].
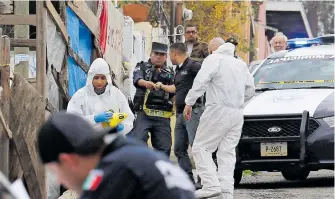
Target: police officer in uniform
[(104, 164), (153, 105)]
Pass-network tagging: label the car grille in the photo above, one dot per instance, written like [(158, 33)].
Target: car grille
[(289, 127)]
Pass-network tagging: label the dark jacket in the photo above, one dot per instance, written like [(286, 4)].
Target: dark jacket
[(199, 51), (183, 82), (129, 170), (159, 98)]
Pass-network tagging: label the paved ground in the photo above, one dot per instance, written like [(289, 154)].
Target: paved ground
[(269, 185), (319, 185)]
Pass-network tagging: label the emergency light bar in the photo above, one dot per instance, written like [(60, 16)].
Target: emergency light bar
[(302, 42), (307, 42)]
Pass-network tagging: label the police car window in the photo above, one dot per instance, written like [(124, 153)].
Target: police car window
[(299, 71)]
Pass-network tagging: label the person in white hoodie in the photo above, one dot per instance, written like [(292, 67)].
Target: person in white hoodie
[(99, 99), (228, 85)]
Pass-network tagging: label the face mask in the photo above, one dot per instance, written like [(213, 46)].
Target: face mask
[(100, 91)]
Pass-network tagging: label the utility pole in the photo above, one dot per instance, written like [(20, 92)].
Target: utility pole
[(312, 15), (179, 20), (22, 32), (172, 21)]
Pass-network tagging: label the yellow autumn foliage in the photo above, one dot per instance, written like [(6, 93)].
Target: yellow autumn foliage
[(221, 19)]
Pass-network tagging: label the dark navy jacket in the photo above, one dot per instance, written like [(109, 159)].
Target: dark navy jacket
[(133, 171), (183, 82)]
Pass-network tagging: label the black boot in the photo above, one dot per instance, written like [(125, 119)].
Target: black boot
[(198, 184)]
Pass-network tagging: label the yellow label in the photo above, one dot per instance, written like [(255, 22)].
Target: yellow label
[(298, 82), (155, 113)]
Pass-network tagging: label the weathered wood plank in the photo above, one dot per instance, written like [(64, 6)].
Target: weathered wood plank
[(18, 20), (63, 75), (98, 48), (23, 42), (58, 79), (78, 60), (5, 125), (62, 8), (41, 57), (59, 22), (41, 47), (5, 71), (27, 115), (86, 15), (49, 107), (4, 141)]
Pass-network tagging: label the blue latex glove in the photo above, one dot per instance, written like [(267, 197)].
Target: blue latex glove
[(103, 117), (119, 127)]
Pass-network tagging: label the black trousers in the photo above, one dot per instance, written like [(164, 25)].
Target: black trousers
[(159, 128)]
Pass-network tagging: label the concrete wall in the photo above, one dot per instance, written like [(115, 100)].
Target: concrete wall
[(145, 29), (150, 35)]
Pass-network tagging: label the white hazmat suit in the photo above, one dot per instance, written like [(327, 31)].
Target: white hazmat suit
[(227, 83), (87, 103)]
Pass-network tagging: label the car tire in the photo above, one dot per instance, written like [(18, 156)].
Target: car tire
[(295, 174), (238, 176)]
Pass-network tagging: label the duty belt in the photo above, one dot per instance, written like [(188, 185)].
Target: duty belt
[(152, 112)]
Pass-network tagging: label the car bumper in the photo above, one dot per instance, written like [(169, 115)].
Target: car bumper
[(316, 152)]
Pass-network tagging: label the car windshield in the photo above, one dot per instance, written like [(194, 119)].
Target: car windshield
[(296, 72)]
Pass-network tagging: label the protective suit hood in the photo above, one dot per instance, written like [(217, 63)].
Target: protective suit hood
[(86, 102), (99, 66), (226, 48)]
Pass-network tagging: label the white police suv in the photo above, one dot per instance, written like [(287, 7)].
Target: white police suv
[(289, 124)]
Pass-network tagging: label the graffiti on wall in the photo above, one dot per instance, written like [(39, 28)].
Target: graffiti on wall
[(115, 39)]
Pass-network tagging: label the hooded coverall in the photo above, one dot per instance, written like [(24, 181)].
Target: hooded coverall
[(227, 83), (88, 103)]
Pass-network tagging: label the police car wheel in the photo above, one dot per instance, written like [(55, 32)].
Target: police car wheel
[(295, 174), (238, 176)]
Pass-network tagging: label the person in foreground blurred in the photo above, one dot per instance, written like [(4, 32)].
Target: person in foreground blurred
[(104, 164), (228, 84)]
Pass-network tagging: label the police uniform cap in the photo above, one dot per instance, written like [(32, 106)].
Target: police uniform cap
[(232, 40), (159, 47)]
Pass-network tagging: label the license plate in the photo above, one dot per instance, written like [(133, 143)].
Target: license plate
[(274, 149)]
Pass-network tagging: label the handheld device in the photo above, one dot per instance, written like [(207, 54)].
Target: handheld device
[(116, 119)]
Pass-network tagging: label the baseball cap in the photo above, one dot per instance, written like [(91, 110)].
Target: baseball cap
[(232, 40), (67, 133)]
